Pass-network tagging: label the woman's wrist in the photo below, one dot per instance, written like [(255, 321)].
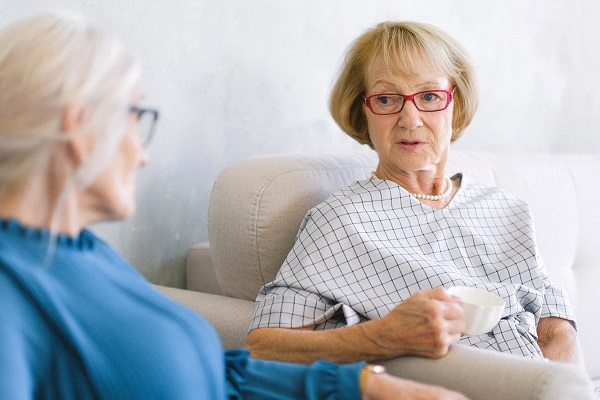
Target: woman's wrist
[(366, 371)]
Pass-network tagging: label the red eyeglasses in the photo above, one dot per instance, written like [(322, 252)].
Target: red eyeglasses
[(393, 103)]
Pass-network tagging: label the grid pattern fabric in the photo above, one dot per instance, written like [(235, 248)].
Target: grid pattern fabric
[(372, 245)]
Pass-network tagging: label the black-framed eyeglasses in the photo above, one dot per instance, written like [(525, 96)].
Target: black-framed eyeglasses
[(147, 118), (393, 103)]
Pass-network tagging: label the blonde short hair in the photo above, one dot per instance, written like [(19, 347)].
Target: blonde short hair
[(47, 63), (405, 47)]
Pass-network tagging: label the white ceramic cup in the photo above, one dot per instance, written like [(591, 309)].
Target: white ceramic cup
[(482, 309)]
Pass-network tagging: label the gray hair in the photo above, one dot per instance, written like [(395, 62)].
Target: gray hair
[(49, 62)]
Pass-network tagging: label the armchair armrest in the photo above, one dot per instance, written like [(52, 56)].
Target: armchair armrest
[(229, 316), (480, 374), (200, 274), (489, 375)]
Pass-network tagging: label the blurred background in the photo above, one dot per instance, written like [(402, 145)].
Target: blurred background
[(239, 78)]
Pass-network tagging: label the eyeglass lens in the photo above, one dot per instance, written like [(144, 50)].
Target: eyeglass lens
[(146, 122)]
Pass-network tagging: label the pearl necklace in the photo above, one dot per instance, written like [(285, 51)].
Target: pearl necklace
[(431, 197)]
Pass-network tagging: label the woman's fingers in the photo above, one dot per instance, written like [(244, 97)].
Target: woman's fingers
[(425, 324)]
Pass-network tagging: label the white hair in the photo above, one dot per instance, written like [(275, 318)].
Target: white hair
[(49, 62)]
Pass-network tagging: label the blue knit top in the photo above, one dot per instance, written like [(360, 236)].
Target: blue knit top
[(78, 322)]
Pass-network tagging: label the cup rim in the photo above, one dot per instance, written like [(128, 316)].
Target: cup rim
[(497, 299)]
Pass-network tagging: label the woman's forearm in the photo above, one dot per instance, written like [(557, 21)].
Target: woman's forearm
[(254, 378), (343, 345), (426, 324)]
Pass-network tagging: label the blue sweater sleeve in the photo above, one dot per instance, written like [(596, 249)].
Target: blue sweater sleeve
[(249, 378)]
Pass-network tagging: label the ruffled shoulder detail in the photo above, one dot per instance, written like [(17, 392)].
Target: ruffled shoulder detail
[(249, 378), (236, 362), (84, 241)]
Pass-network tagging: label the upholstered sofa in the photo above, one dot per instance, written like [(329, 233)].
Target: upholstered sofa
[(257, 205)]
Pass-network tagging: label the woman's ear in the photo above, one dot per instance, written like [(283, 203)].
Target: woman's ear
[(73, 117), (77, 145)]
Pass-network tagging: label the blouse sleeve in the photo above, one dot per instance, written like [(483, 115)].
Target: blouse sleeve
[(301, 293), (249, 378), (556, 302)]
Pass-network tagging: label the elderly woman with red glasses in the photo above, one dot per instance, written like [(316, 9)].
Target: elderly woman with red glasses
[(377, 257)]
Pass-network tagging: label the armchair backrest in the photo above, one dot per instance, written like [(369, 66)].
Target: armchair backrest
[(256, 208)]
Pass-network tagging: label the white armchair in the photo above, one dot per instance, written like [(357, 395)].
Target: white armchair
[(257, 205)]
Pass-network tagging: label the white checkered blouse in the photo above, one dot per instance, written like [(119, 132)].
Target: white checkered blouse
[(372, 245)]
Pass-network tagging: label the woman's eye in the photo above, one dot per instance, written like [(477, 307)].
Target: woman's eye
[(389, 100), (383, 100), (429, 96)]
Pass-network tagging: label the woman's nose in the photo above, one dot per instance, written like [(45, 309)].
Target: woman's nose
[(410, 116), (142, 156)]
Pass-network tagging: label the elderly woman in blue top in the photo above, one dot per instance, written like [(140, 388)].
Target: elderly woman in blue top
[(77, 321), (376, 257)]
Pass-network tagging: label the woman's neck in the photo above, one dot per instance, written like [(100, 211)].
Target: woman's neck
[(431, 188), (426, 182), (33, 204)]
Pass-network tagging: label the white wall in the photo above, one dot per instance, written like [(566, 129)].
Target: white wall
[(238, 78)]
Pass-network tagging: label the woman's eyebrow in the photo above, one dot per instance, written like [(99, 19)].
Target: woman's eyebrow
[(427, 85)]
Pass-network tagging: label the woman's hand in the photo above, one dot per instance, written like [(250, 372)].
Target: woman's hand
[(388, 387), (425, 324)]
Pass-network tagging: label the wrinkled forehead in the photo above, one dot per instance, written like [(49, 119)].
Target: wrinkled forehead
[(409, 61)]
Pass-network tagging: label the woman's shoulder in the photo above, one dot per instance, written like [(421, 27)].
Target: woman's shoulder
[(472, 190), (367, 190), (359, 192), (359, 198)]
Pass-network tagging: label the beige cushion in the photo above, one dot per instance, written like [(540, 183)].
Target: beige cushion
[(256, 208)]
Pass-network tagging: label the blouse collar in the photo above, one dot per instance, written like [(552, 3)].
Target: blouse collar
[(83, 241)]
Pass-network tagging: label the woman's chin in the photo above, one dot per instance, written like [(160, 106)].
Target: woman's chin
[(124, 211)]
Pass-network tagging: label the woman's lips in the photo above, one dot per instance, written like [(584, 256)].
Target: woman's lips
[(410, 145)]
